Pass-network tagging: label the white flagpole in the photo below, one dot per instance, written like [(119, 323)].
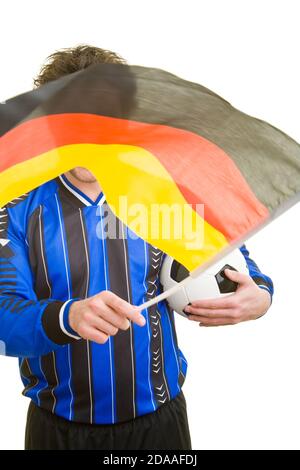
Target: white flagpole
[(165, 295)]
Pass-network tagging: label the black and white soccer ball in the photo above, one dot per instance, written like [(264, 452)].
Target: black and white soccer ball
[(212, 283)]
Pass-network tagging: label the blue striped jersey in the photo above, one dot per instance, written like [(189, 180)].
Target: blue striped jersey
[(53, 249)]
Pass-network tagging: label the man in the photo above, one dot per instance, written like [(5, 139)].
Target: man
[(100, 374)]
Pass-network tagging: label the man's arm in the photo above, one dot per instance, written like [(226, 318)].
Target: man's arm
[(262, 280), (251, 300), (30, 327)]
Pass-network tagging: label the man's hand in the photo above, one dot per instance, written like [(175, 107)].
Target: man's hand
[(247, 303), (102, 315)]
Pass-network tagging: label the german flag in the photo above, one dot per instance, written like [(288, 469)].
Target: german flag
[(156, 139)]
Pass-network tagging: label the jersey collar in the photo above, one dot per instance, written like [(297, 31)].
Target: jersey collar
[(85, 200)]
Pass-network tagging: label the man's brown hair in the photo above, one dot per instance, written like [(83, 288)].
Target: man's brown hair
[(70, 60)]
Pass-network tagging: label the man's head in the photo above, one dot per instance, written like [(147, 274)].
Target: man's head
[(66, 61), (70, 60)]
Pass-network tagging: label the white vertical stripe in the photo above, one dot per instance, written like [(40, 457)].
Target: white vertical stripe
[(162, 359), (131, 333), (86, 254), (90, 380), (42, 251), (50, 293), (69, 295), (147, 318), (69, 383), (64, 247), (86, 294), (109, 339)]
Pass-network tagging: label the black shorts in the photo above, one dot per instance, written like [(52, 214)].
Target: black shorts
[(165, 429)]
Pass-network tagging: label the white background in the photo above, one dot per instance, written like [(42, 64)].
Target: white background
[(243, 385)]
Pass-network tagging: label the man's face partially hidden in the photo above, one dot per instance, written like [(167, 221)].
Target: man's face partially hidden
[(83, 175)]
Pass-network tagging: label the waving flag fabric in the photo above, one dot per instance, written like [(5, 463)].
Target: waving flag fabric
[(156, 139)]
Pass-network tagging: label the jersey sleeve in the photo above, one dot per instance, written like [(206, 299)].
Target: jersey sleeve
[(29, 327), (262, 280)]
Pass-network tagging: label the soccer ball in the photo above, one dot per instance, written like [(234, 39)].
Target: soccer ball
[(212, 283)]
